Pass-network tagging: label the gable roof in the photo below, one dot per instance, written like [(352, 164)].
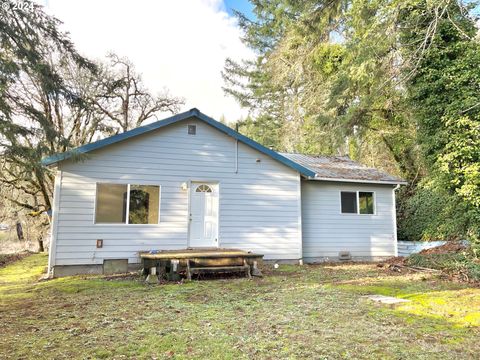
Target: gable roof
[(342, 168), (56, 158)]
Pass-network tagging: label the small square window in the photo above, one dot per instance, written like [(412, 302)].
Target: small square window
[(192, 129)]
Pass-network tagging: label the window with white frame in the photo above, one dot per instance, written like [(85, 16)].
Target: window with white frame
[(127, 204), (357, 202)]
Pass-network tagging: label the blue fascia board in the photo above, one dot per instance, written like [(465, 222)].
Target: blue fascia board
[(173, 119)]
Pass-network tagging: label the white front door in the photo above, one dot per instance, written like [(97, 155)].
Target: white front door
[(203, 215)]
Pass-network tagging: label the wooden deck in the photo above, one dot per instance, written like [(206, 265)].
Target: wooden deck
[(171, 263)]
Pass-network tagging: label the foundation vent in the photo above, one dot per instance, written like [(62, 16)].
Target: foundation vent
[(344, 256)]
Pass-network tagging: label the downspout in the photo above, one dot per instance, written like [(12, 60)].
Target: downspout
[(54, 224), (236, 156), (395, 218), (300, 220), (236, 149)]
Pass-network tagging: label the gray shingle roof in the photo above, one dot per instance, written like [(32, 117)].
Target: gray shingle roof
[(342, 168)]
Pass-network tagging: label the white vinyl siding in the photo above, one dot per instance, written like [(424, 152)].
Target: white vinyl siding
[(327, 231), (259, 205)]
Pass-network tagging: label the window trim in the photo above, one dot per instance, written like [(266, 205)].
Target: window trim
[(358, 202), (126, 223)]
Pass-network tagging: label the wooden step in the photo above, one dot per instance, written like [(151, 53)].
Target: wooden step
[(238, 268), (218, 268)]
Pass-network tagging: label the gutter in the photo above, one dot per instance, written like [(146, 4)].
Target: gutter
[(236, 156), (395, 236)]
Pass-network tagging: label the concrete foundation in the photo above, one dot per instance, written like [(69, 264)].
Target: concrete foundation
[(354, 259), (283, 261), (325, 259), (115, 266), (70, 270)]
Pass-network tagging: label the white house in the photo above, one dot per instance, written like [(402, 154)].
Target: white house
[(190, 181)]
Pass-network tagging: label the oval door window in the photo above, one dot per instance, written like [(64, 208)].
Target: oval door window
[(203, 188)]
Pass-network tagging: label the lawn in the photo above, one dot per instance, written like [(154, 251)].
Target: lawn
[(293, 312)]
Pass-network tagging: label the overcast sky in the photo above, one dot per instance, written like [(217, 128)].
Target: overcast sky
[(180, 45)]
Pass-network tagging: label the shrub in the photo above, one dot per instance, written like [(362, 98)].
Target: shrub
[(432, 213)]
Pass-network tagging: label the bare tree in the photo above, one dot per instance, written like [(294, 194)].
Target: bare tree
[(122, 97)]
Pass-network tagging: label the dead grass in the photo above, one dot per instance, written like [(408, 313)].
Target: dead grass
[(295, 312)]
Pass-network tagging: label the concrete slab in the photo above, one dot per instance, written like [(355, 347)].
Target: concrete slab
[(386, 299)]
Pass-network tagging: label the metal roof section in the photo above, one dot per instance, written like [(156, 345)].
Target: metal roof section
[(51, 160), (342, 168)]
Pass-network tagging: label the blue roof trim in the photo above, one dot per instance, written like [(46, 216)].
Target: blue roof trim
[(173, 119)]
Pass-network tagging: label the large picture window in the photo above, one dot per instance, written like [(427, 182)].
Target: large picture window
[(127, 204), (357, 202)]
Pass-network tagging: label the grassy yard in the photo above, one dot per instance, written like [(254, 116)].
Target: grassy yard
[(294, 312)]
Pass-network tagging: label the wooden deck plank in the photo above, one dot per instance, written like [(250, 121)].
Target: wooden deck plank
[(198, 253)]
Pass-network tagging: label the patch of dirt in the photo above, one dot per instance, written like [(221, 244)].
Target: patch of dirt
[(399, 260), (395, 265), (448, 248), (220, 276), (6, 259), (398, 266), (123, 277)]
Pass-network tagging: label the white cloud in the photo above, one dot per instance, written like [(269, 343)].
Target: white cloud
[(179, 45)]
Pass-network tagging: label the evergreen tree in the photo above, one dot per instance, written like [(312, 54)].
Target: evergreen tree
[(391, 83), (34, 99)]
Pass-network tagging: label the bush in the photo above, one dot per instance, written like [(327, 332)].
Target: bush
[(431, 213)]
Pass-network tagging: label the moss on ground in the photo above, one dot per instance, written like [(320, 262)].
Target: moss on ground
[(293, 312)]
